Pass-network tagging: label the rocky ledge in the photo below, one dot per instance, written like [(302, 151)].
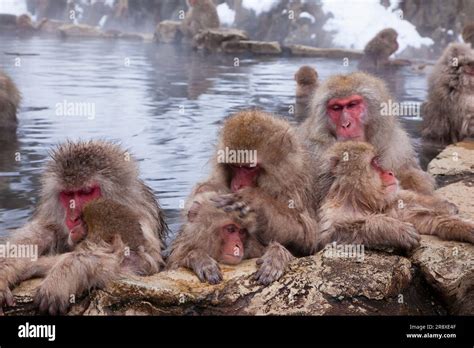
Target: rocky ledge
[(437, 278)]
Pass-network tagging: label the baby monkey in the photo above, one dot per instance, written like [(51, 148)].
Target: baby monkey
[(365, 205)]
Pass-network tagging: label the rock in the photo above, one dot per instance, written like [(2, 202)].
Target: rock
[(168, 32), (80, 30), (382, 284), (212, 39), (461, 194), (7, 20), (449, 268), (455, 160), (308, 51), (257, 47)]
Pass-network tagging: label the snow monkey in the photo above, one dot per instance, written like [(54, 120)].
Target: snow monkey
[(268, 183), (76, 174), (448, 113), (306, 83), (365, 205), (9, 103), (355, 107)]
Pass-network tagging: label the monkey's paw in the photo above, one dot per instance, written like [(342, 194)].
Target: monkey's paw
[(6, 297), (50, 299), (208, 270), (270, 270), (408, 237)]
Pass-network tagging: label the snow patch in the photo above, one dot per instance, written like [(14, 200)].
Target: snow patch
[(356, 22), (307, 15), (260, 6), (226, 14), (15, 7)]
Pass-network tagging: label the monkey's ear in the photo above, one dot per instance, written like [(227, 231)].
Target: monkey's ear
[(193, 211)]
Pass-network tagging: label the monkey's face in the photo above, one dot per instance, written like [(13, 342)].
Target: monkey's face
[(73, 201), (233, 239), (243, 176), (388, 181), (346, 117), (468, 69)]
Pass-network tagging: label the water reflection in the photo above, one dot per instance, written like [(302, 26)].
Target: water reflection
[(164, 103)]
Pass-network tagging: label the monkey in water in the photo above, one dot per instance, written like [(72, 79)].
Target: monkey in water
[(306, 84), (365, 205)]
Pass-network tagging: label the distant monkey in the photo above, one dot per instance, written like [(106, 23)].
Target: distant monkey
[(448, 113), (306, 83), (9, 102), (202, 14)]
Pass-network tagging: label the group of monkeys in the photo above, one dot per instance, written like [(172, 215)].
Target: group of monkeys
[(348, 174)]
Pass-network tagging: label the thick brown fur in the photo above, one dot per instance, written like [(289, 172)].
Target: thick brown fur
[(281, 200), (384, 132), (468, 34), (77, 164), (448, 113), (306, 84), (377, 52), (359, 209), (9, 102), (201, 15)]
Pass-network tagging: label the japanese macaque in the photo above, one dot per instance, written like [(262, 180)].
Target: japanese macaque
[(25, 24), (306, 83), (262, 172), (9, 102), (202, 14), (357, 107), (377, 52), (211, 236), (468, 34), (365, 205), (448, 113), (78, 173)]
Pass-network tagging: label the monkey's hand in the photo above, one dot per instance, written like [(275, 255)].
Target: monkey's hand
[(6, 297), (234, 202), (272, 264), (206, 268), (408, 237), (52, 298)]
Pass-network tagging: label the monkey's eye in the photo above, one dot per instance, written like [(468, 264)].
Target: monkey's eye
[(353, 103), (86, 191), (231, 228), (376, 162), (336, 107), (243, 232)]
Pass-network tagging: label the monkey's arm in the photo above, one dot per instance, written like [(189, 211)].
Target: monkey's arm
[(377, 230), (77, 272), (445, 226), (37, 238), (415, 179)]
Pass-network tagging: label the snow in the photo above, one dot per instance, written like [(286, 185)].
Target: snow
[(260, 6), (307, 15), (16, 7), (226, 15), (355, 22)]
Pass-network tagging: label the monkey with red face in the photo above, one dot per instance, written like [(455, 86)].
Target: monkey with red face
[(266, 181), (364, 205), (350, 107), (78, 174)]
